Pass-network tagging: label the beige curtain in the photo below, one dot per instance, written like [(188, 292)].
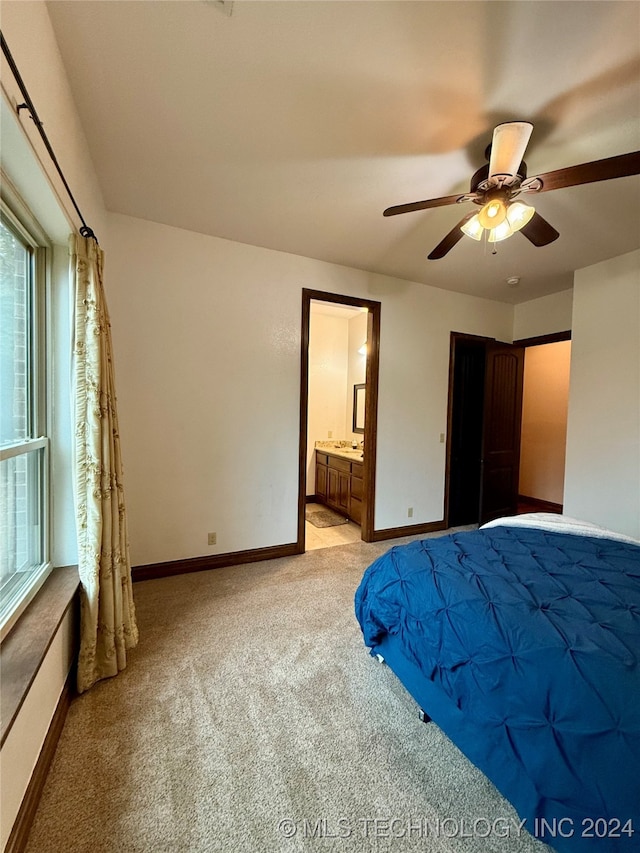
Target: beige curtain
[(108, 621)]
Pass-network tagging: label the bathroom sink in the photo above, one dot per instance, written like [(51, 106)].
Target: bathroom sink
[(347, 451)]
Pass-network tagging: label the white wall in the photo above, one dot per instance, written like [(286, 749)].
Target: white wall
[(543, 316), (327, 400), (328, 364), (207, 355), (545, 402), (28, 32), (357, 367), (602, 482)]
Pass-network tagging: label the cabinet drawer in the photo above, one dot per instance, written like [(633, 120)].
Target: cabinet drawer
[(356, 487), (339, 464), (357, 469), (321, 458)]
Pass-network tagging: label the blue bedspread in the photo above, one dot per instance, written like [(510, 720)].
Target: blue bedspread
[(526, 646)]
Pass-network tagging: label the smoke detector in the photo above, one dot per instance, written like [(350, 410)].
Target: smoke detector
[(513, 280)]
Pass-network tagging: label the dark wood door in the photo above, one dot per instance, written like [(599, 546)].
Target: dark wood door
[(466, 401), (502, 418)]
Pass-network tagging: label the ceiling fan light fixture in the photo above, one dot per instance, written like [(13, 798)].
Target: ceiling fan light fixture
[(500, 232), (472, 228), (518, 214), (493, 213)]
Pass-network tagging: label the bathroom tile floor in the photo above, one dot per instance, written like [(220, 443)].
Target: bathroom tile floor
[(326, 537)]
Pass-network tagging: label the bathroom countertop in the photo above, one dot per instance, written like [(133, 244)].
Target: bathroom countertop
[(342, 452)]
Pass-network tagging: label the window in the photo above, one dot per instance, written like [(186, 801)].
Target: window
[(24, 445)]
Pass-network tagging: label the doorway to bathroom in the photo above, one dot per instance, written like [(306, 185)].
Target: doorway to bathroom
[(340, 344)]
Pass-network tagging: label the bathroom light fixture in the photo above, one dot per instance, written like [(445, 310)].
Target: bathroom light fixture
[(363, 349)]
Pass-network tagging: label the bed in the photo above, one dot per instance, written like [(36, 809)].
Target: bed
[(521, 641)]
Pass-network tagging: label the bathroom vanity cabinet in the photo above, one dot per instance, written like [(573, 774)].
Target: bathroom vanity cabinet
[(339, 482)]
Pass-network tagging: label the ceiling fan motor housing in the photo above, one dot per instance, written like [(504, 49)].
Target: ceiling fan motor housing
[(482, 176)]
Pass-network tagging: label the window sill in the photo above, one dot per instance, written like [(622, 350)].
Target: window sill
[(24, 649)]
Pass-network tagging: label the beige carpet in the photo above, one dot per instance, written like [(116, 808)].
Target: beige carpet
[(250, 711)]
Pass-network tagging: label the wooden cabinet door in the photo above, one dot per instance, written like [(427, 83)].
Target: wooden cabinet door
[(355, 509), (321, 481), (332, 486), (344, 490)]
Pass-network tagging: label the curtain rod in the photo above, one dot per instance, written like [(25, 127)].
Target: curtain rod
[(85, 231)]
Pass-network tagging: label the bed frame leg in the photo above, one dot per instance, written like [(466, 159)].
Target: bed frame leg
[(423, 716)]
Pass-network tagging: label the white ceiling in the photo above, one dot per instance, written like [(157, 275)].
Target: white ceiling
[(292, 125)]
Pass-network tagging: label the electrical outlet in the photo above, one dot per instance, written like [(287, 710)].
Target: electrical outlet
[(441, 438), (330, 434), (410, 512), (212, 538)]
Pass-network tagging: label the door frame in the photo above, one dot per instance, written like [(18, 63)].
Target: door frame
[(371, 407)]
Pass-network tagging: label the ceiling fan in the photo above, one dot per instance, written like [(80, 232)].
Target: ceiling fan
[(496, 187)]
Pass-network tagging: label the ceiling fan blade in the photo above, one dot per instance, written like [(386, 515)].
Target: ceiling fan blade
[(421, 205), (620, 166), (446, 244), (539, 231), (507, 148)]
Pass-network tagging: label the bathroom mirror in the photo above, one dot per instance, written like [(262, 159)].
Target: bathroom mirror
[(358, 407)]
